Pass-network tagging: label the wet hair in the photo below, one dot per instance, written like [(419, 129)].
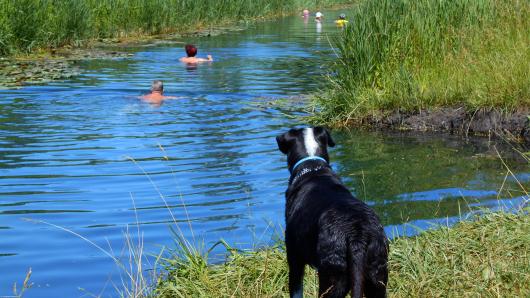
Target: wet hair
[(157, 85), (342, 16), (191, 50)]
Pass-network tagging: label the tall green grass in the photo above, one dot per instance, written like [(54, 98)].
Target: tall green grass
[(410, 55), (29, 24), (485, 257)]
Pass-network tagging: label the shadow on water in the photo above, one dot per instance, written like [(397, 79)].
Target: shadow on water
[(86, 154)]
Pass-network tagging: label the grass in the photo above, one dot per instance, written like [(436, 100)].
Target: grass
[(26, 284), (410, 55), (29, 25), (487, 256)]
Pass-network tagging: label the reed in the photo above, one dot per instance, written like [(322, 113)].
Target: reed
[(26, 25), (410, 55)]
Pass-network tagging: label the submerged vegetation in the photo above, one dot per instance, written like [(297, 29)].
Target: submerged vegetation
[(27, 25), (488, 256), (410, 55)]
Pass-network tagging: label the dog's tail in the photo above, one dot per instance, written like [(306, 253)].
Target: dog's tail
[(356, 266)]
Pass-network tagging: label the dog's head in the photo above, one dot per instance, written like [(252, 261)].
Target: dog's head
[(303, 142)]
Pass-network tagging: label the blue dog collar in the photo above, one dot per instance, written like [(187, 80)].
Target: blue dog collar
[(306, 159)]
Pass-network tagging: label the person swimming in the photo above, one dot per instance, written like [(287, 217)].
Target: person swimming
[(157, 93), (191, 51), (318, 16), (341, 21)]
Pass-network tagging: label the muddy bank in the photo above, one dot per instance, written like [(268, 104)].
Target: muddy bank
[(489, 122)]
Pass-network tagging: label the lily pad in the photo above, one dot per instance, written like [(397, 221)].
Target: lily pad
[(15, 73)]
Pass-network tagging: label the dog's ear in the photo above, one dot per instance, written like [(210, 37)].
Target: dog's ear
[(323, 135), (285, 141)]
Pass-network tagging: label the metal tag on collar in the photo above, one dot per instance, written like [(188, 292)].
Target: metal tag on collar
[(304, 172)]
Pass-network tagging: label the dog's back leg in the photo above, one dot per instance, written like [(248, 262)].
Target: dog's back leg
[(373, 290), (296, 274), (332, 283)]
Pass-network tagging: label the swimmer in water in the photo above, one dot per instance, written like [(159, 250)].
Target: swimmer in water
[(305, 13), (319, 16), (191, 51), (341, 21), (157, 94)]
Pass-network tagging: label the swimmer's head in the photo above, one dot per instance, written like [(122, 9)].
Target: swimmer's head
[(157, 86), (191, 50), (342, 16), (305, 12)]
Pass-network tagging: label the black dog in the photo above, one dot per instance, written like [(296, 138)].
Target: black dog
[(326, 227)]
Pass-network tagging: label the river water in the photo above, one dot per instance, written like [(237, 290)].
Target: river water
[(85, 156)]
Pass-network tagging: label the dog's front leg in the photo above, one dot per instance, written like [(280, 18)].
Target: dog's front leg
[(296, 275)]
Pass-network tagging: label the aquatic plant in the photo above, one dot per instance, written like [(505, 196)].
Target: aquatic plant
[(26, 25), (410, 55)]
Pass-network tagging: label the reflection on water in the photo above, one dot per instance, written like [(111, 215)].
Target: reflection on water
[(410, 177), (87, 155)]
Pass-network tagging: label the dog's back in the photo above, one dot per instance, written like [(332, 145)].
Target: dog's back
[(328, 228), (337, 234)]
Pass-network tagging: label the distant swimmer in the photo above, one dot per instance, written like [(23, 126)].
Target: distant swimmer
[(191, 51), (341, 21), (305, 15), (318, 16), (157, 93)]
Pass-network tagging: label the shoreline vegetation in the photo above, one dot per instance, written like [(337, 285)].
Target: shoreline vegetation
[(27, 26), (464, 63), (485, 256)]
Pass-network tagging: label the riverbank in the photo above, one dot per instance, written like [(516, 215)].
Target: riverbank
[(435, 65), (489, 122), (485, 256)]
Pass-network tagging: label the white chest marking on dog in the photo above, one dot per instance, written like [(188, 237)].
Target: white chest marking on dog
[(310, 143)]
